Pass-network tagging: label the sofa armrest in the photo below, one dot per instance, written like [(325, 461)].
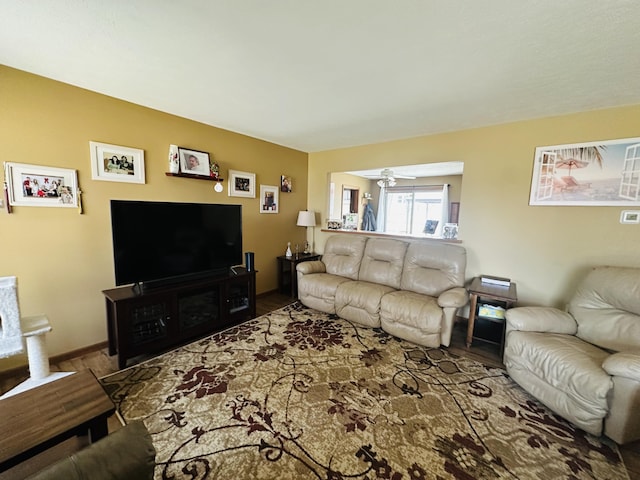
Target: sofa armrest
[(126, 454), (541, 319), (315, 266), (455, 298), (623, 364)]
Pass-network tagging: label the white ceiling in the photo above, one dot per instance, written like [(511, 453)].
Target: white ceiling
[(322, 74)]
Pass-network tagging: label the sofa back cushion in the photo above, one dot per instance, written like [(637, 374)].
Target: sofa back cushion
[(343, 255), (432, 267), (382, 261), (606, 307)]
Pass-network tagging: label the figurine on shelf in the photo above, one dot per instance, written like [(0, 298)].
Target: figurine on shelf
[(289, 253), (174, 159), (215, 170)]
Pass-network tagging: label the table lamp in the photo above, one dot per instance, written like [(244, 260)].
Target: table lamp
[(307, 218)]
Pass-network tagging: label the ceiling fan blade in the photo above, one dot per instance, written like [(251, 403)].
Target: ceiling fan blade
[(407, 177)]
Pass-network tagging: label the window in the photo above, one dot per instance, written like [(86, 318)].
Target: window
[(407, 209)]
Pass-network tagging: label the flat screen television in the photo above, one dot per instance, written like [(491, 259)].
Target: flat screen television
[(155, 243)]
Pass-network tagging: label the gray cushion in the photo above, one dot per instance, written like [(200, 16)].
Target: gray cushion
[(126, 454)]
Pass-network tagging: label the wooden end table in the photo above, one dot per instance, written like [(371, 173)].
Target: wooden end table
[(37, 419), (287, 275), (494, 295)]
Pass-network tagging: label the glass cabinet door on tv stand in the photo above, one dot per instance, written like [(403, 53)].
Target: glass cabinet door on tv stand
[(148, 322), (198, 310)]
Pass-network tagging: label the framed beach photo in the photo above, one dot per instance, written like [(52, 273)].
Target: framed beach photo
[(603, 173), (269, 199), (113, 163), (38, 186), (194, 162), (242, 184)]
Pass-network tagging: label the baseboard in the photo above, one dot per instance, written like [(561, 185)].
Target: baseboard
[(23, 370), (264, 294)]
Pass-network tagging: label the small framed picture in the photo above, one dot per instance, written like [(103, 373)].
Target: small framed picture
[(37, 186), (630, 216), (430, 226), (194, 162), (268, 199), (242, 184), (114, 163), (285, 184)]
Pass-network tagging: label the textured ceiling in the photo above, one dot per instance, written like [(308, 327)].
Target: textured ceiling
[(322, 74)]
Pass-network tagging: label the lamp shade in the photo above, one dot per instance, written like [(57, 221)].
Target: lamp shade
[(306, 218)]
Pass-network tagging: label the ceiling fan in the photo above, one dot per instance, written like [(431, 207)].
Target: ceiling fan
[(387, 178)]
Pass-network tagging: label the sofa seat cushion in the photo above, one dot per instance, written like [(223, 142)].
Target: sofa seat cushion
[(564, 372), (319, 291), (412, 316), (359, 302)]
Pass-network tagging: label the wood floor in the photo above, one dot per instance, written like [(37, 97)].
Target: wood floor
[(101, 364)]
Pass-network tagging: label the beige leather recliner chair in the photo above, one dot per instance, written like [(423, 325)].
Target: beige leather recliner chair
[(584, 364)]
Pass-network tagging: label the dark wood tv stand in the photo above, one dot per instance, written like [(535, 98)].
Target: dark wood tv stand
[(151, 321)]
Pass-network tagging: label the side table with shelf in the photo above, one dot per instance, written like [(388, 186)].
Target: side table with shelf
[(287, 276), (488, 328), (42, 417)]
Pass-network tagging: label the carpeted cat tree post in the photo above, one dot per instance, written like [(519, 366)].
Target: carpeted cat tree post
[(13, 328), (10, 328)]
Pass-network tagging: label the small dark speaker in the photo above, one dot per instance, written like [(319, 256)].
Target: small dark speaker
[(248, 261)]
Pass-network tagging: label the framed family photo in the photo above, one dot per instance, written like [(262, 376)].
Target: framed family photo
[(286, 184), (242, 184), (194, 162), (268, 199), (113, 163), (37, 186)]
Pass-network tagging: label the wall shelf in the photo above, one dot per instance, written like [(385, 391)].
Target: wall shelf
[(199, 177)]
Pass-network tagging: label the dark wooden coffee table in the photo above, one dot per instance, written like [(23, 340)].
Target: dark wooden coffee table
[(42, 417)]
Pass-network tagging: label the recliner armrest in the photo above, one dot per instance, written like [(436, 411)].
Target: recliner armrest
[(455, 298), (541, 319), (315, 266), (623, 364)]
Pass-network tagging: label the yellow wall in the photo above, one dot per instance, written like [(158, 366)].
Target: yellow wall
[(345, 180), (546, 250), (63, 260)]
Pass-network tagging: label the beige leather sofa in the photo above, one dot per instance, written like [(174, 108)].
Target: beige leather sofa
[(411, 289), (584, 364)]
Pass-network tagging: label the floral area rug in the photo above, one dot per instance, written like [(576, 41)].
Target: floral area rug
[(299, 394)]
